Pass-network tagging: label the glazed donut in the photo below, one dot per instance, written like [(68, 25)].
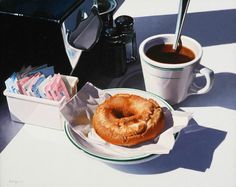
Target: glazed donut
[(127, 120)]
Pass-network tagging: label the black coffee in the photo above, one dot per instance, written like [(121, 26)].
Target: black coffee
[(165, 54)]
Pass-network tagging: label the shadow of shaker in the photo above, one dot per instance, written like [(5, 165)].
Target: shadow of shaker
[(194, 150)]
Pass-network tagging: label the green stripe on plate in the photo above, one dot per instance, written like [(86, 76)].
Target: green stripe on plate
[(68, 133)]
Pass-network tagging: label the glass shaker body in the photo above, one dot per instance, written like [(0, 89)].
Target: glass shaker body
[(124, 25), (113, 53)]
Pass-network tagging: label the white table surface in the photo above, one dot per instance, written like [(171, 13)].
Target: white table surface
[(205, 153)]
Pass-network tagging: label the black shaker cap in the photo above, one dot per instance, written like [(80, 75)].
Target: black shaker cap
[(124, 22)]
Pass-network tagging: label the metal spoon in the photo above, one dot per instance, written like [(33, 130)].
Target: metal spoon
[(183, 7)]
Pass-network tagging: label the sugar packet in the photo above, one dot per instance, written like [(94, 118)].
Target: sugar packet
[(11, 84)]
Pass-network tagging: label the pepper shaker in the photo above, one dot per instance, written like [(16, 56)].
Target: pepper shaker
[(113, 53), (125, 25)]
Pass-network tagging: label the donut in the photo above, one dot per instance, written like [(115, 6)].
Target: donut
[(128, 120)]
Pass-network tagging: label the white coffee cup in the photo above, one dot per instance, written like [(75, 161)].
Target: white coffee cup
[(174, 82)]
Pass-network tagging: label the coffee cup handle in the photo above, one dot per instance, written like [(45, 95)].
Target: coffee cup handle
[(209, 76)]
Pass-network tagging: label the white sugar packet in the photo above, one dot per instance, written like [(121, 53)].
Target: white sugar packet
[(79, 112)]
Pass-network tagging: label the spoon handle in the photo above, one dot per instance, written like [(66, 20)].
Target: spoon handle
[(183, 7)]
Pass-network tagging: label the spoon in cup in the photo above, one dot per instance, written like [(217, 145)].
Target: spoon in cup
[(183, 7)]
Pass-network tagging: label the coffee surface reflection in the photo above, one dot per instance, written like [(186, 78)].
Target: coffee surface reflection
[(164, 53)]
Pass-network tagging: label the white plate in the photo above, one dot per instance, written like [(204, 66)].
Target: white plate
[(107, 157)]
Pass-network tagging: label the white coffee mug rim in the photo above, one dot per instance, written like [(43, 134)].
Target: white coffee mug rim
[(169, 66)]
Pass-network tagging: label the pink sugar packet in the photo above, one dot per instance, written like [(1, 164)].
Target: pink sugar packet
[(26, 85), (59, 89), (21, 82)]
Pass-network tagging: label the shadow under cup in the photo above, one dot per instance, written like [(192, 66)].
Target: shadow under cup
[(174, 82)]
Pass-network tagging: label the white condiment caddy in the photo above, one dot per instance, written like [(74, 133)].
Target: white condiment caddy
[(39, 111)]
